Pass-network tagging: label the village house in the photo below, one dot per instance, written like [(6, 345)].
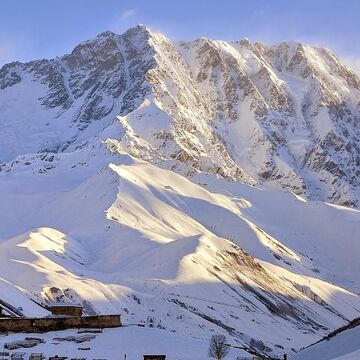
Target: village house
[(65, 309)]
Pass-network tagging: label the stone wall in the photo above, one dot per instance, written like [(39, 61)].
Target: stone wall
[(38, 325)]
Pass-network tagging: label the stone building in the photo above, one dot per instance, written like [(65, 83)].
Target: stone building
[(65, 309)]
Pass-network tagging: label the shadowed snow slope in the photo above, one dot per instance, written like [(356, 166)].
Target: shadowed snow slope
[(343, 346)]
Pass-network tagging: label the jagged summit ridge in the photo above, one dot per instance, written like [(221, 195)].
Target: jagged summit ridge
[(285, 115)]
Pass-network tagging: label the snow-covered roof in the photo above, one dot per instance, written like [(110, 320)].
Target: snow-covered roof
[(62, 304)]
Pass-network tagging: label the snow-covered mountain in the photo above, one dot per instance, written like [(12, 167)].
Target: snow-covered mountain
[(285, 115), (147, 177)]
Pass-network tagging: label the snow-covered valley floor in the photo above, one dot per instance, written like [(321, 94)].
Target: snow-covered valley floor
[(114, 344)]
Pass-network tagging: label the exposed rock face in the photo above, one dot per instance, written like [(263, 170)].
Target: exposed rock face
[(287, 115)]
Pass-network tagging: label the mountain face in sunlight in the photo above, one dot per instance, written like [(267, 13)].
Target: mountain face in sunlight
[(285, 115), (149, 178)]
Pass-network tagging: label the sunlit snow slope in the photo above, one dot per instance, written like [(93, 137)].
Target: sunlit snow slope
[(124, 236)]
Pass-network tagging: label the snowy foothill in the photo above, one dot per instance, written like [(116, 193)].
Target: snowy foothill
[(165, 252)]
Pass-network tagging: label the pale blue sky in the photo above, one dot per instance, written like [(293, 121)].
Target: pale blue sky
[(46, 28)]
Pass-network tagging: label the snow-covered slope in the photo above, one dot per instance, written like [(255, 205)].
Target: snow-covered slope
[(342, 346), (129, 237), (132, 180)]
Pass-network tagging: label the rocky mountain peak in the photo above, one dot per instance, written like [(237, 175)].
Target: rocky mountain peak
[(285, 114)]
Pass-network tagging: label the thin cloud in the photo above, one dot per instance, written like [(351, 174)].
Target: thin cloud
[(127, 13), (353, 64)]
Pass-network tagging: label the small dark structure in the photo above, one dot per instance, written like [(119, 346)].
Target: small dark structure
[(36, 356), (18, 356), (66, 309), (154, 357)]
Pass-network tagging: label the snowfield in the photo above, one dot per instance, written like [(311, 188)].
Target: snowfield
[(114, 344), (181, 186), (165, 252), (343, 346)]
